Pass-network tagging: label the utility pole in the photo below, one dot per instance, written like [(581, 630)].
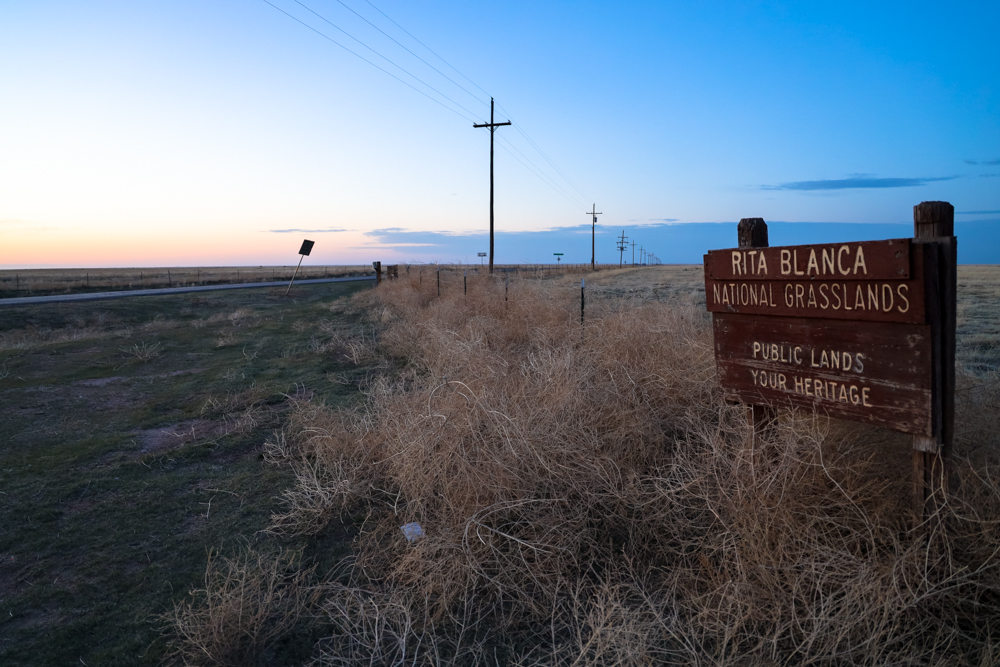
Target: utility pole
[(493, 128), (633, 253), (621, 248), (640, 255), (593, 225)]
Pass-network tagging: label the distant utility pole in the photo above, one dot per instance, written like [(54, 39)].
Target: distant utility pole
[(621, 248), (633, 253), (493, 128), (640, 255), (595, 213)]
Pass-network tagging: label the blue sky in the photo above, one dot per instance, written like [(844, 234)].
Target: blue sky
[(196, 133)]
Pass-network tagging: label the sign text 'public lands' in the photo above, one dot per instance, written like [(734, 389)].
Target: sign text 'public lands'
[(777, 340)]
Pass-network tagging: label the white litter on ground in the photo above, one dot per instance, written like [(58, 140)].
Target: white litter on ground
[(412, 531)]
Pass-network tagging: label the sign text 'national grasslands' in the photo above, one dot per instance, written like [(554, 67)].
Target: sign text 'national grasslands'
[(869, 281)]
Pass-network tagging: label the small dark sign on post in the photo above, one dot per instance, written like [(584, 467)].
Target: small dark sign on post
[(863, 331), (304, 251)]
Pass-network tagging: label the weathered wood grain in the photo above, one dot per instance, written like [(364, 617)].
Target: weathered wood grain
[(879, 373), (752, 233), (933, 231)]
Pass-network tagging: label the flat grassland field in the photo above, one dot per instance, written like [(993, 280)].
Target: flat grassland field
[(143, 440)]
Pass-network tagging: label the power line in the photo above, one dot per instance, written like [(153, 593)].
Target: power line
[(538, 175), (379, 54), (406, 49), (428, 48), (542, 153), (548, 181), (537, 171), (516, 125), (381, 69)]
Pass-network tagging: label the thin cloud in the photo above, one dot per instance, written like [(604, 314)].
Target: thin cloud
[(16, 221), (989, 162), (307, 231), (396, 245), (858, 182), (654, 220), (387, 231), (28, 225), (977, 212)]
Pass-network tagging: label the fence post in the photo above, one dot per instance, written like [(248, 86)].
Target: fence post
[(439, 280), (465, 281), (752, 233), (582, 299), (378, 273), (934, 230)]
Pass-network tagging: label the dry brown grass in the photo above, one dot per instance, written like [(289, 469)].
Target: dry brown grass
[(248, 603), (587, 497)]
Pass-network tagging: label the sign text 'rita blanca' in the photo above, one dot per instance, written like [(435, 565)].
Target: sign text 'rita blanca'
[(833, 262), (868, 280)]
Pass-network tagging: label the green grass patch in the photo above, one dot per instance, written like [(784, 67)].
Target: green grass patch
[(130, 445)]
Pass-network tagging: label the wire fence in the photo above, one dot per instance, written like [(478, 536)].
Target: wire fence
[(671, 284)]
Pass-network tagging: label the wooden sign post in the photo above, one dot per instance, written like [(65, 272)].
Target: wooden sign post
[(934, 229), (752, 233), (863, 331), (304, 251)]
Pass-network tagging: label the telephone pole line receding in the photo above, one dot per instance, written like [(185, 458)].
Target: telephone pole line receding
[(593, 225), (633, 253), (621, 248), (493, 128)]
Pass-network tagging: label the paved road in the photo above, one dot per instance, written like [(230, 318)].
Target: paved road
[(98, 296)]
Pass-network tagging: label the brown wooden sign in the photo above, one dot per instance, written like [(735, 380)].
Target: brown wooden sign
[(873, 281), (875, 365), (862, 331), (878, 373)]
